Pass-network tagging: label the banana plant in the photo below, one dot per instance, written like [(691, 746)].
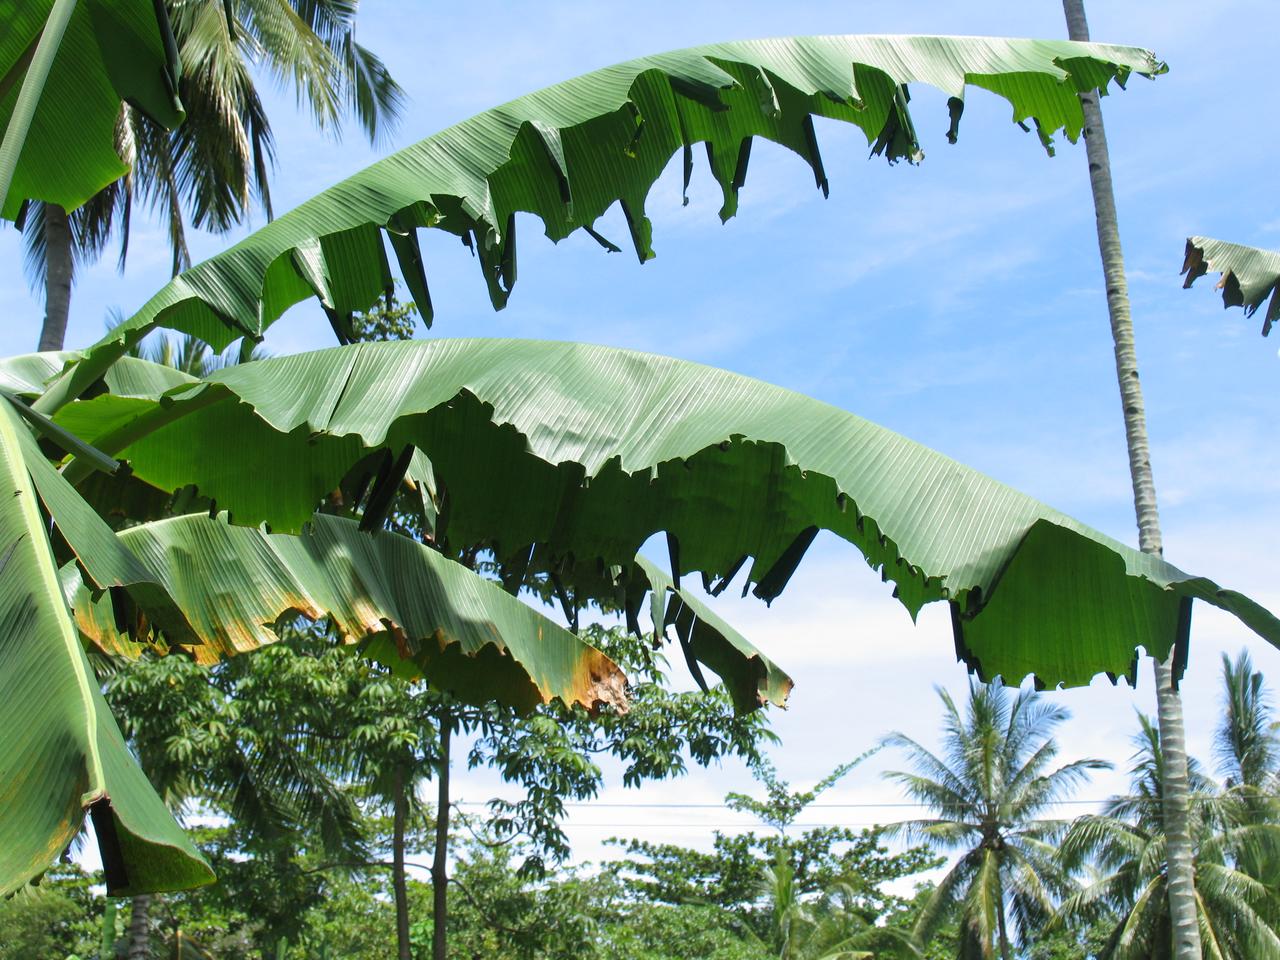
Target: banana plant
[(1249, 275), (602, 447)]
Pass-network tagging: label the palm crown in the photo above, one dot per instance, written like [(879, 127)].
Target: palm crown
[(990, 789)]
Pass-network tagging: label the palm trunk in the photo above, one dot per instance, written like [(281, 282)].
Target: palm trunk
[(1179, 853), (140, 928), (400, 808), (439, 876), (57, 282), (1003, 926)]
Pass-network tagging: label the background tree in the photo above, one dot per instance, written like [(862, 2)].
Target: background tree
[(211, 740), (208, 171), (851, 865), (1236, 914), (1246, 745), (61, 917), (1247, 751), (990, 788)]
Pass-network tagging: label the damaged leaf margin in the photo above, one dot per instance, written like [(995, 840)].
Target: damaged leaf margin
[(751, 678), (419, 613), (570, 151), (1249, 275), (608, 447)]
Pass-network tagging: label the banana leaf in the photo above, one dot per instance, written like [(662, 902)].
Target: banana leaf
[(28, 374), (706, 638), (409, 607), (1248, 275), (564, 459), (111, 51), (61, 753), (570, 151)]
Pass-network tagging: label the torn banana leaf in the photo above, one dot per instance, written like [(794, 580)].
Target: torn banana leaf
[(704, 637), (1249, 275), (570, 151), (415, 610), (111, 51), (751, 678), (564, 457), (61, 753)]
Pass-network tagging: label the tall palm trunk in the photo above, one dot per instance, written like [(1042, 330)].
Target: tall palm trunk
[(400, 805), (1182, 903), (140, 928), (57, 281), (439, 863), (1003, 927)]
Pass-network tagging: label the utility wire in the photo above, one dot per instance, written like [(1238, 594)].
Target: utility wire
[(916, 804)]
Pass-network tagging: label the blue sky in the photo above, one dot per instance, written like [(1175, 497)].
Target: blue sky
[(959, 302)]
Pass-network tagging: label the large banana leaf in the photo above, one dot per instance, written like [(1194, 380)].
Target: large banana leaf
[(565, 458), (1248, 275), (417, 611), (61, 752), (568, 152), (705, 638), (111, 50), (64, 752)]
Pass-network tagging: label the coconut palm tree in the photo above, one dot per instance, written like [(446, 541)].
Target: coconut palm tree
[(1168, 670), (989, 789), (1248, 754), (1236, 915), (207, 172), (1246, 746)]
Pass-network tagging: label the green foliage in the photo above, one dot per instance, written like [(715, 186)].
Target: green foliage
[(109, 52), (847, 869), (387, 319), (580, 429), (569, 152), (1249, 275), (53, 920), (215, 737)]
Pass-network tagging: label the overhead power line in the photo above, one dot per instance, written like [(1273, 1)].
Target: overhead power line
[(868, 805)]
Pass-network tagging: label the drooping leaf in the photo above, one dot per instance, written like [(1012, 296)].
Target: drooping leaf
[(417, 611), (61, 753), (704, 637), (566, 457), (570, 151), (751, 678), (1248, 275), (111, 51)]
